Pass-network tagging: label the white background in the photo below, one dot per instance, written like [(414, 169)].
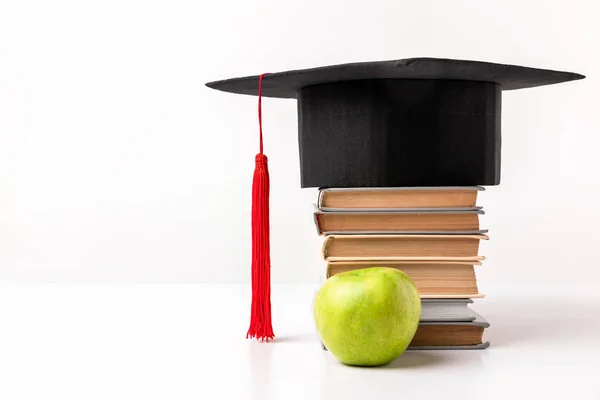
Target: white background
[(118, 164)]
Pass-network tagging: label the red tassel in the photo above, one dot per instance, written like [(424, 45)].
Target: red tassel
[(260, 320)]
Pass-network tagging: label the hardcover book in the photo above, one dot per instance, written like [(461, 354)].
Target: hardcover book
[(464, 221), (404, 247), (466, 335), (357, 199), (433, 279), (451, 335), (446, 310)]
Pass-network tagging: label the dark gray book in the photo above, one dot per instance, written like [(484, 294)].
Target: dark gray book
[(446, 310)]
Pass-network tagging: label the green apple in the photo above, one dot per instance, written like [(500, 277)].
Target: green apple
[(367, 317)]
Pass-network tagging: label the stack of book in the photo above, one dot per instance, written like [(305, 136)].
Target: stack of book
[(432, 234)]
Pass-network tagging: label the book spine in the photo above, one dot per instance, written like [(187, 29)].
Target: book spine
[(320, 199), (317, 220), (325, 247)]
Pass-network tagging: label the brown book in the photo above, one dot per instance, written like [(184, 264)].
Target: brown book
[(433, 279), (448, 335), (451, 335), (406, 247), (406, 197), (387, 222)]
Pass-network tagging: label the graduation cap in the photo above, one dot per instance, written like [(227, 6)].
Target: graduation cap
[(409, 122)]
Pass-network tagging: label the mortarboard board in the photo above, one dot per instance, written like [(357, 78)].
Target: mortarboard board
[(409, 122)]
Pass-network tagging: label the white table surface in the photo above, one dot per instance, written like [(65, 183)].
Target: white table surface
[(187, 341)]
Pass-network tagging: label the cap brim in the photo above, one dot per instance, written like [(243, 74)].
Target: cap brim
[(286, 84)]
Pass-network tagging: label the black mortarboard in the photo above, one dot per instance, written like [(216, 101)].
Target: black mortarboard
[(409, 122)]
